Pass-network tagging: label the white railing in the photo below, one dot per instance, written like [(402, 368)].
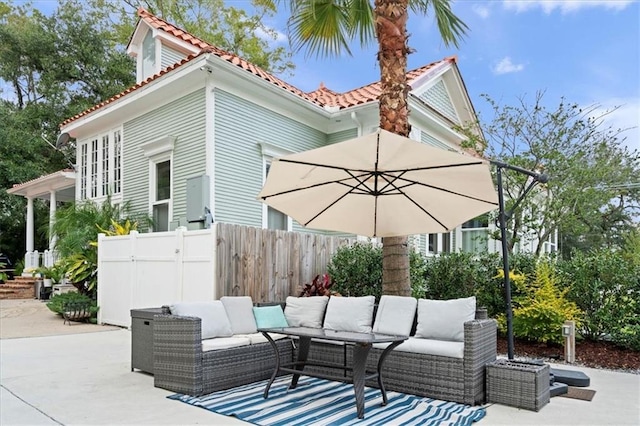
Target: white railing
[(35, 259)]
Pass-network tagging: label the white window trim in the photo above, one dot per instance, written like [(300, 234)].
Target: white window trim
[(269, 152), (153, 162), (86, 162), (158, 151)]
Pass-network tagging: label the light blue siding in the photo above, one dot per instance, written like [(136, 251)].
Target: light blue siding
[(342, 136), (171, 56), (430, 140), (240, 127), (437, 97), (185, 120)]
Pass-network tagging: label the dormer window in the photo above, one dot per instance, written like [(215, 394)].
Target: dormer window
[(149, 65)]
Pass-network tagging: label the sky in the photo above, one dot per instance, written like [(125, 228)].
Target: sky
[(587, 51)]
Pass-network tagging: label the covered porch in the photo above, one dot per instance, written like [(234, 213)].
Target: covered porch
[(55, 187)]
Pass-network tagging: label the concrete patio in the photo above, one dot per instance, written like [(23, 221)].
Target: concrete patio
[(79, 374)]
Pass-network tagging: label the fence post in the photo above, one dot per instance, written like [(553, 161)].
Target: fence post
[(133, 237), (100, 276), (179, 261)]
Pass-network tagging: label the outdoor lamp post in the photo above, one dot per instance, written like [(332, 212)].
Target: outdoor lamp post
[(503, 217)]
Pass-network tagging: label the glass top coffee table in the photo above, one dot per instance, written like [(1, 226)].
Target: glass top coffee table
[(361, 342)]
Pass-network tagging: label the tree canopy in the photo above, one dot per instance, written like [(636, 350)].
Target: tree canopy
[(592, 197)]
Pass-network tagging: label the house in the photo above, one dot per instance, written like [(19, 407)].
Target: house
[(195, 136)]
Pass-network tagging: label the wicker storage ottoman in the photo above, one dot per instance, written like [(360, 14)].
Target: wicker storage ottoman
[(518, 384)]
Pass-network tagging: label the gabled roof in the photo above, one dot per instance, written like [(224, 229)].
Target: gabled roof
[(322, 96)]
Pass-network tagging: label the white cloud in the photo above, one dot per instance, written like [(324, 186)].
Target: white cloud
[(279, 38), (482, 11), (626, 117), (505, 66), (565, 6)]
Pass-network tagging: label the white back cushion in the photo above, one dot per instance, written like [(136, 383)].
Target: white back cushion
[(214, 318), (444, 319), (350, 314), (305, 311), (395, 315), (240, 313)]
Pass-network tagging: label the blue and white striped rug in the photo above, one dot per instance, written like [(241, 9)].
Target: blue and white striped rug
[(324, 402)]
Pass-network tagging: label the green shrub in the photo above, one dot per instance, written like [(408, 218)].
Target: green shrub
[(539, 314), (606, 287), (356, 270), (57, 302)]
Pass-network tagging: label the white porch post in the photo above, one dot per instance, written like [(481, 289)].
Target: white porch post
[(29, 225), (52, 218)]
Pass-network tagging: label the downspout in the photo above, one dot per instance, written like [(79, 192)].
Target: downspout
[(354, 117)]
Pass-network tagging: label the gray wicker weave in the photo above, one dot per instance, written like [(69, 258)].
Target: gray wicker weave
[(518, 384), (440, 377), (181, 366)]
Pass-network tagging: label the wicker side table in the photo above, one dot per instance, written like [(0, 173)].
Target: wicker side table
[(142, 338), (518, 384)]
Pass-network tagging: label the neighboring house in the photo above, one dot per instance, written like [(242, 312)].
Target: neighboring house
[(199, 129)]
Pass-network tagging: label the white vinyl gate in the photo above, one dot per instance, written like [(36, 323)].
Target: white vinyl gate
[(153, 269)]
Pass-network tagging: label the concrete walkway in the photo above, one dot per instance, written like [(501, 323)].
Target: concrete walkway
[(85, 378)]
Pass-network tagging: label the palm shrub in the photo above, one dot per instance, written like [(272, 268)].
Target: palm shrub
[(77, 226), (539, 313)]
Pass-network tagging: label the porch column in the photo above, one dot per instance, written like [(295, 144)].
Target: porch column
[(52, 218), (29, 224)]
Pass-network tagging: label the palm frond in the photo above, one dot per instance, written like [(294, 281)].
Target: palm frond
[(321, 26), (451, 28)]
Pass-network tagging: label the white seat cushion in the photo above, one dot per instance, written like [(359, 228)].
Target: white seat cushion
[(395, 315), (305, 311), (350, 314), (428, 347), (256, 338), (444, 319), (215, 322), (224, 343), (240, 313)]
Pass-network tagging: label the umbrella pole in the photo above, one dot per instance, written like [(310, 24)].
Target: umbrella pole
[(505, 263), (502, 221)]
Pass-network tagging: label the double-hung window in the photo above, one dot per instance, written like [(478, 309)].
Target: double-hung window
[(100, 166), (160, 155)]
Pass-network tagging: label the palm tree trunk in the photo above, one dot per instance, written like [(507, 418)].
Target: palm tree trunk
[(391, 31)]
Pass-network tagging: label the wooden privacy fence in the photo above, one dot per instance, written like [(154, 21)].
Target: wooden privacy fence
[(269, 265), (160, 268)]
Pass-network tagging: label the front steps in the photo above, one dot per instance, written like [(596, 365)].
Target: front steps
[(18, 288)]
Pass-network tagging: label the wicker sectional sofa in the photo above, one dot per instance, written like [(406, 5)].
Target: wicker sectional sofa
[(453, 371), (184, 362), (453, 375)]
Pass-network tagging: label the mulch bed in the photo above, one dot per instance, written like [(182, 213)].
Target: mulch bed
[(604, 355)]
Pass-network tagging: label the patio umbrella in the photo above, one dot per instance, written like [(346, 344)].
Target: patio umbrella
[(380, 185)]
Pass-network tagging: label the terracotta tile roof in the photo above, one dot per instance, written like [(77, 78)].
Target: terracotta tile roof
[(321, 96)]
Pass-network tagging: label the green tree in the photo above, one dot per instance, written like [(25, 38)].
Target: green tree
[(588, 198), (51, 67), (326, 27), (225, 26)]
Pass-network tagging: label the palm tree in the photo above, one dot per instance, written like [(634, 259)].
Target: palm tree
[(325, 27)]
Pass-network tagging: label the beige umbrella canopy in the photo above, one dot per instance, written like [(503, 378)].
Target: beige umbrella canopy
[(380, 185)]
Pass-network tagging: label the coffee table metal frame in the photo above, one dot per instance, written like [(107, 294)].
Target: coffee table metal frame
[(361, 342)]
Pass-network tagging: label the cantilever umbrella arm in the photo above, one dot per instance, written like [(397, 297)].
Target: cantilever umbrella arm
[(503, 217)]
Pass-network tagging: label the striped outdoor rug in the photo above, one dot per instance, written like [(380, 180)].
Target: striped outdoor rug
[(324, 402)]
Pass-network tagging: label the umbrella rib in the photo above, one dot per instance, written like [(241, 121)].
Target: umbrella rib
[(442, 166), (413, 182), (326, 166), (315, 185)]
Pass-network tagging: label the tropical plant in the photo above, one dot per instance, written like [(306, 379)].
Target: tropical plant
[(326, 27), (320, 286), (77, 226)]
